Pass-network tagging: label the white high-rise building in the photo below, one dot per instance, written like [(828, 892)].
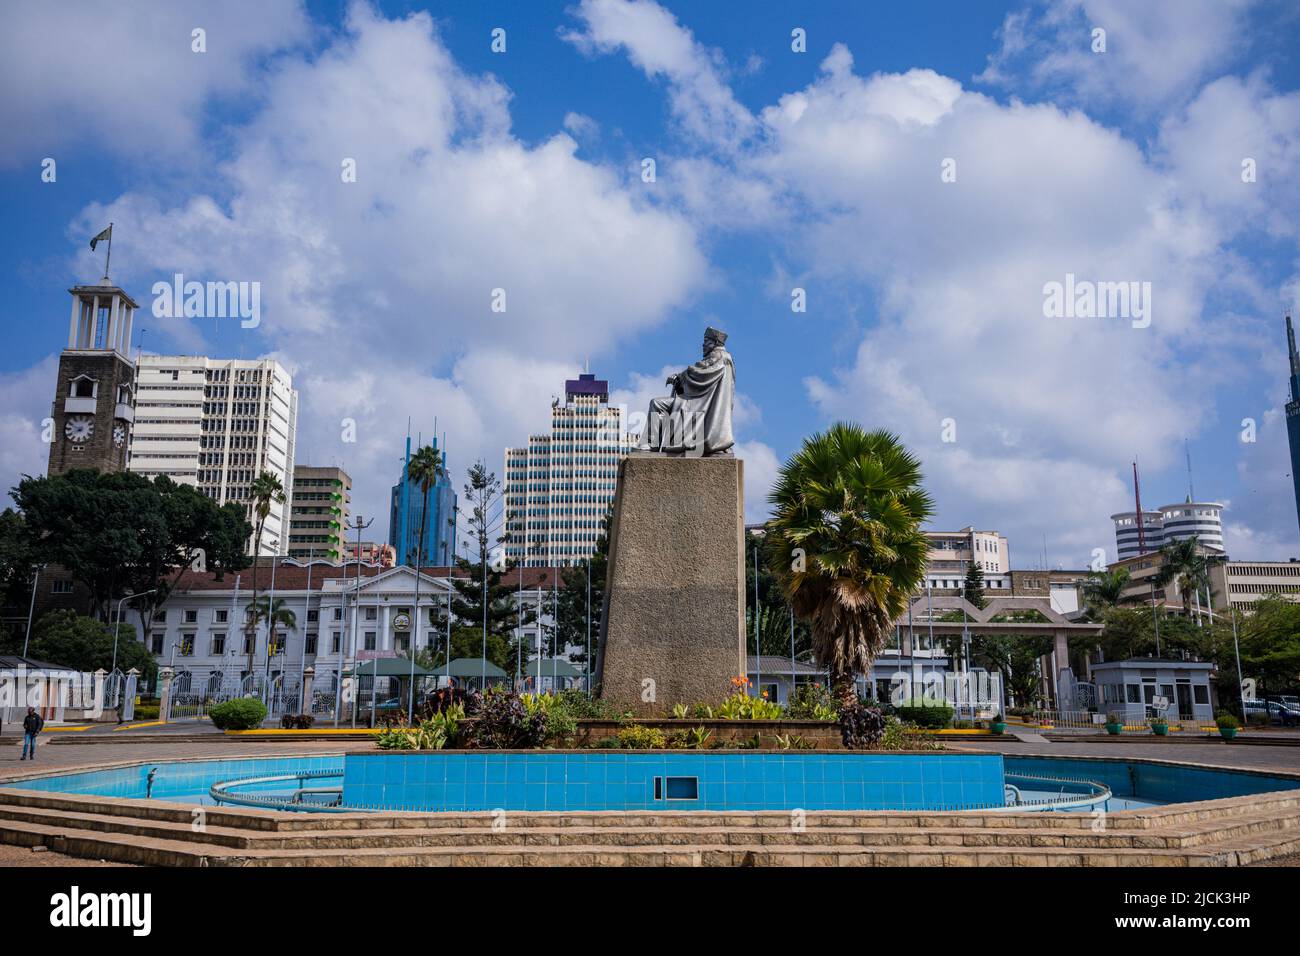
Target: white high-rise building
[(1202, 519), (217, 424), (558, 487)]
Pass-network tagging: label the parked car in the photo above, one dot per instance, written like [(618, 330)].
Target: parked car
[(393, 703), (1275, 712)]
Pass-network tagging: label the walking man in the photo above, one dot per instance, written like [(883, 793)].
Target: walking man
[(32, 725)]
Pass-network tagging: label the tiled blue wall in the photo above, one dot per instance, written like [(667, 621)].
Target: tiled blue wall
[(1154, 782), (482, 780)]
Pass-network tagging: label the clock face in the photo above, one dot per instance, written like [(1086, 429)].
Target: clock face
[(119, 434), (79, 428)]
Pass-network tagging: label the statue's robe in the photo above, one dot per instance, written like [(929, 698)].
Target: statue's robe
[(696, 418)]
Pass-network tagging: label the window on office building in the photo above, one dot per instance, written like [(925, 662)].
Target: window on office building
[(371, 642), (218, 645)]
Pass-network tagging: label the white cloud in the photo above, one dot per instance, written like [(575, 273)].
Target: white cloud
[(381, 290), (1157, 52), (77, 72), (24, 404), (658, 45)]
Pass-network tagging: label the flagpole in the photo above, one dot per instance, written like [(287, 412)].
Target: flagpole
[(109, 255)]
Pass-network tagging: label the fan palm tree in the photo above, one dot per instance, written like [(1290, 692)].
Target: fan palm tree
[(1103, 589), (846, 546), (1187, 566), (273, 612), (264, 491), (422, 469)]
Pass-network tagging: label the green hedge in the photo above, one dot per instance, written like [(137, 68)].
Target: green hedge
[(931, 715), (242, 713)]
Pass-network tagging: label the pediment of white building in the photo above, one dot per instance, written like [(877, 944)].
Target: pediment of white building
[(395, 581)]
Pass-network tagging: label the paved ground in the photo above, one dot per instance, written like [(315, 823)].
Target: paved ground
[(23, 856), (1211, 753), (65, 754)]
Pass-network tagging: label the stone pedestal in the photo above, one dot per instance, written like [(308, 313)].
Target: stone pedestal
[(673, 625)]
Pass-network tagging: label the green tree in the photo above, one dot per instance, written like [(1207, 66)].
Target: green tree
[(972, 588), (122, 533), (1103, 590), (1016, 657), (1270, 645), (573, 598), (483, 603), (1185, 566), (423, 469), (276, 613), (846, 544), (18, 559), (85, 644), (772, 609), (264, 491)]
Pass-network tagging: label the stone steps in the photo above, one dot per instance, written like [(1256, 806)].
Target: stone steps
[(433, 834), (1223, 833)]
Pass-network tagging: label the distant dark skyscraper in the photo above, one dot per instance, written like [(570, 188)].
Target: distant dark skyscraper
[(1293, 413)]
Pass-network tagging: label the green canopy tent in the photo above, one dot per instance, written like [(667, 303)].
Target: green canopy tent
[(391, 667), (472, 670), (388, 667), (553, 671)]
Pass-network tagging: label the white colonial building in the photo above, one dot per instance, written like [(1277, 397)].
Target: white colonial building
[(344, 614)]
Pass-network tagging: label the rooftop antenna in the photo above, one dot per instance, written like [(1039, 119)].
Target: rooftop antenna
[(1137, 499), (1191, 492)]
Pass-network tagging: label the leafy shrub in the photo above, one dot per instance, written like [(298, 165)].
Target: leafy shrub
[(241, 713), (607, 743), (681, 711), (932, 715), (1115, 717), (502, 722), (740, 706), (439, 731), (861, 726), (900, 735), (812, 702), (145, 712), (557, 713), (433, 703), (1226, 719), (693, 738), (641, 737), (297, 721)]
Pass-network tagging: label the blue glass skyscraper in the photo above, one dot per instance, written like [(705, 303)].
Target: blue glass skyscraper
[(407, 505)]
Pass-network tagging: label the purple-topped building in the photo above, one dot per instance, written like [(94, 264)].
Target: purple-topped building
[(559, 486)]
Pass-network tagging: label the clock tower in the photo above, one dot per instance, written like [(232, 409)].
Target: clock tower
[(94, 400)]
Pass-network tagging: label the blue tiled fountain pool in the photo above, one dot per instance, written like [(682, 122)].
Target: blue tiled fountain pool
[(683, 780)]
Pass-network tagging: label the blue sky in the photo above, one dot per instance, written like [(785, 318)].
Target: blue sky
[(775, 170)]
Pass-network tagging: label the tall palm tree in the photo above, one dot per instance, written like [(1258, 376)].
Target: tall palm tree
[(422, 469), (1186, 565), (264, 491), (846, 546), (273, 612), (1103, 589)]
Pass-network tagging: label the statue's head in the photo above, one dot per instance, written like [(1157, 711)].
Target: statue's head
[(713, 339)]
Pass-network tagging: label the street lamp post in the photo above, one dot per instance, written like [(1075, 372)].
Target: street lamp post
[(117, 622), (360, 525), (31, 608)]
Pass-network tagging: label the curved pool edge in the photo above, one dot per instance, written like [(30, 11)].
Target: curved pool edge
[(12, 782)]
